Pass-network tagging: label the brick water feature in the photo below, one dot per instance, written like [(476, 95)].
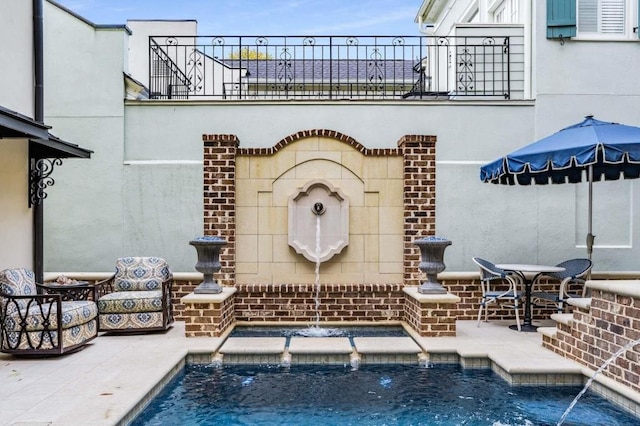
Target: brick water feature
[(247, 201)]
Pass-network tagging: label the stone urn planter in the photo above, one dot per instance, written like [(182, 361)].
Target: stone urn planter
[(432, 263), (208, 249)]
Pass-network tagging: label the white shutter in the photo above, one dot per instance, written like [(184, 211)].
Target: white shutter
[(612, 16), (601, 16), (588, 16)]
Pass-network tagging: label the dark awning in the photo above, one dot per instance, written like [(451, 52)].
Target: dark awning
[(42, 144)]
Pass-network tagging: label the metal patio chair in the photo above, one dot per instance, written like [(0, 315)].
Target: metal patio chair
[(34, 323), (571, 283), (490, 275)]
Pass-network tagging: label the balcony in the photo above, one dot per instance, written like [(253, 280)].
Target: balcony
[(334, 67)]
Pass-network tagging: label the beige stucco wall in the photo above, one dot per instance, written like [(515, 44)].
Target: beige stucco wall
[(15, 216), (374, 187)]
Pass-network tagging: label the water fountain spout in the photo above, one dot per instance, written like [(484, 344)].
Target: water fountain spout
[(621, 351)]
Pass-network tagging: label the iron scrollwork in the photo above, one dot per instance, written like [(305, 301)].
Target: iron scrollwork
[(40, 178)]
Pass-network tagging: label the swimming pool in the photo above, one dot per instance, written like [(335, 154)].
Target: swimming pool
[(371, 395)]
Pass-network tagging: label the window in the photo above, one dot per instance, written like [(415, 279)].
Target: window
[(593, 19), (506, 11), (601, 16)]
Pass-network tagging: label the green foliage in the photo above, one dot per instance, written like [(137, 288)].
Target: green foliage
[(247, 53)]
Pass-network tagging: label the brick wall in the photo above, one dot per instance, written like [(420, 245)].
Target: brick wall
[(596, 334), (338, 302), (296, 302), (219, 192), (419, 157)]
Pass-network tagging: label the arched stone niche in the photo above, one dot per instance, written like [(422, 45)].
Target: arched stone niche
[(318, 221)]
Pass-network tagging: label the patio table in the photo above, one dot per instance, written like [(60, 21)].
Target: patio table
[(525, 271)]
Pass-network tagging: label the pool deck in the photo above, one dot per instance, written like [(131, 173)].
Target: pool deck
[(102, 383)]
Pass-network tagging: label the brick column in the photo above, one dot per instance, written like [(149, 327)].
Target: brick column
[(219, 193), (419, 153)]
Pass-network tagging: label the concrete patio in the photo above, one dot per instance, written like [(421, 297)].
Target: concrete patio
[(103, 383)]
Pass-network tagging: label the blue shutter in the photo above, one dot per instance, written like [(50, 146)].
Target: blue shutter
[(561, 18)]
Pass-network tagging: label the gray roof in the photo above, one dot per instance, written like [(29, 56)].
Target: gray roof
[(316, 70)]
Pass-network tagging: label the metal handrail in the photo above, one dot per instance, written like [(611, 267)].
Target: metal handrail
[(330, 67)]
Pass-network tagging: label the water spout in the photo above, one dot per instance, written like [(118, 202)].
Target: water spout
[(602, 367)]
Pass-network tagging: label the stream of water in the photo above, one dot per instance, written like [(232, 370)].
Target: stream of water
[(591, 379)]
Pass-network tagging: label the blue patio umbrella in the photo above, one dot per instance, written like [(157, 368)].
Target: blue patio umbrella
[(593, 149)]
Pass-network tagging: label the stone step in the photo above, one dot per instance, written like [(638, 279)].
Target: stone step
[(580, 302), (566, 319), (548, 331)]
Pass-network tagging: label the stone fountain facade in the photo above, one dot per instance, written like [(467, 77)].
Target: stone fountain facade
[(391, 202)]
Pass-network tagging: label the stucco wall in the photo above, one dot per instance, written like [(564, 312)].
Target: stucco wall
[(84, 91), (142, 190), (16, 51), (16, 227)]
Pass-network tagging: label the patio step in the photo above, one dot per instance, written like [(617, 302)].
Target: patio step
[(580, 302), (548, 331), (566, 319)]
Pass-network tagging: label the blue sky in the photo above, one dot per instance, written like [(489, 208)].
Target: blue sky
[(263, 17)]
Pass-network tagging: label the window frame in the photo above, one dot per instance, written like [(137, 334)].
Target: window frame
[(630, 22)]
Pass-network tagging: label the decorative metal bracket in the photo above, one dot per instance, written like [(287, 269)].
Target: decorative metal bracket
[(40, 178)]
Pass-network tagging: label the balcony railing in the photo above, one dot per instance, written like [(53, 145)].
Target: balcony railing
[(329, 67)]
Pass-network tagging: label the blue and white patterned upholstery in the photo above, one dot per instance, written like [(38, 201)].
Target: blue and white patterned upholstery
[(31, 325), (17, 282), (140, 273), (140, 297)]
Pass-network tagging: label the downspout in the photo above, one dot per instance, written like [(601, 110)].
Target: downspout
[(38, 104)]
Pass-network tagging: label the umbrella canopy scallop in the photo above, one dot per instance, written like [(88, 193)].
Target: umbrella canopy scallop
[(612, 149)]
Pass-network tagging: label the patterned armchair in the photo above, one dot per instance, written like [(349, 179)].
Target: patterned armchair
[(137, 297), (41, 324)]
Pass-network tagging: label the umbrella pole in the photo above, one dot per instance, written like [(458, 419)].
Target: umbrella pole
[(590, 236)]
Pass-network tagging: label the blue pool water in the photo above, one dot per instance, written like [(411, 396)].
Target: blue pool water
[(372, 395)]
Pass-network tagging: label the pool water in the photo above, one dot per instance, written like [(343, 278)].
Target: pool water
[(372, 395)]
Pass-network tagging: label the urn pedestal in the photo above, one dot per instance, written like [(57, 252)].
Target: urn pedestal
[(432, 263), (208, 249)]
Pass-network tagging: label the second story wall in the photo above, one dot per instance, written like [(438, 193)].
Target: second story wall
[(16, 56), (84, 94)]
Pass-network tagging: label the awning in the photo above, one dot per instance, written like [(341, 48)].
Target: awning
[(42, 144)]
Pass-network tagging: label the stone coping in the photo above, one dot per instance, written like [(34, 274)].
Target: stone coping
[(412, 291), (622, 287), (209, 298), (254, 345), (320, 345), (386, 345), (445, 276)]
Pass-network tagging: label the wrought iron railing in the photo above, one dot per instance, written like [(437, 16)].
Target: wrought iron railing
[(329, 67)]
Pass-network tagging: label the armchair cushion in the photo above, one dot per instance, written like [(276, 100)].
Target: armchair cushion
[(137, 297), (140, 273), (17, 282), (41, 317), (131, 301)]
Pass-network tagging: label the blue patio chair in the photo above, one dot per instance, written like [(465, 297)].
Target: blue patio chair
[(490, 275), (574, 272)]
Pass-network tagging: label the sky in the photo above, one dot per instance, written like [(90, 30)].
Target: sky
[(263, 17)]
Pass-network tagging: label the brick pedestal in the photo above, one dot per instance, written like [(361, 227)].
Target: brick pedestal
[(208, 315), (432, 315)]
